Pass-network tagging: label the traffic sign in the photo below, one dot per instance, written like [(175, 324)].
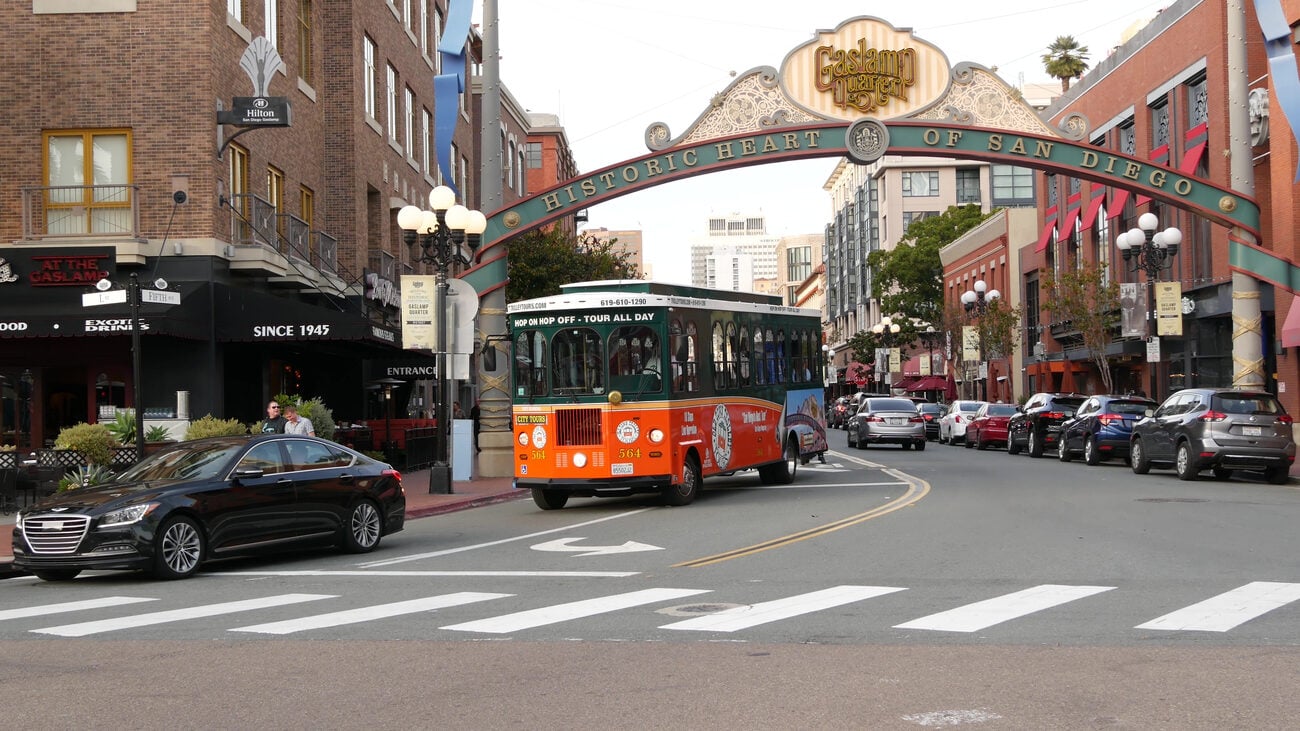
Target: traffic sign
[(112, 296), (158, 296)]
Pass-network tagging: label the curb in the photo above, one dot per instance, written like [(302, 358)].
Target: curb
[(7, 571)]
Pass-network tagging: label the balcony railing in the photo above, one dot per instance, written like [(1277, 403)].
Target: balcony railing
[(326, 252), (297, 237), (384, 264), (81, 211), (252, 221)]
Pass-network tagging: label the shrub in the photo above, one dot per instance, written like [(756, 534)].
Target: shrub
[(210, 426), (94, 441), (157, 433), (122, 427), (85, 477)]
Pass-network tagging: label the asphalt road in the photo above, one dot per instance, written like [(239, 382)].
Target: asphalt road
[(889, 589)]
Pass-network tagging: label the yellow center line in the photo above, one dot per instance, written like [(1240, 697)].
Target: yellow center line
[(916, 490)]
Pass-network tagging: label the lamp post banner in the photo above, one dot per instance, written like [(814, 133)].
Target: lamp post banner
[(1169, 309), (1133, 311), (970, 343), (419, 317)]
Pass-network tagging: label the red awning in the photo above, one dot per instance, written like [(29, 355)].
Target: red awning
[(1291, 327), (1191, 159), (905, 384), (1067, 225), (1117, 200), (1093, 206), (929, 383), (857, 373), (1046, 236)]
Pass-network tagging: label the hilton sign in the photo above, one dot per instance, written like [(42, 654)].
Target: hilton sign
[(257, 111)]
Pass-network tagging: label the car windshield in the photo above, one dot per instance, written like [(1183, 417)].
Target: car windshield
[(931, 408), (187, 463), (1068, 407), (890, 404), (1129, 407), (970, 407), (1001, 410), (1247, 403)]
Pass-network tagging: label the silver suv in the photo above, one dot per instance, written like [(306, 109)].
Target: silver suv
[(1216, 428)]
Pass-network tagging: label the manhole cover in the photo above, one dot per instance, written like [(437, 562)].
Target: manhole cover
[(1172, 500), (688, 610)]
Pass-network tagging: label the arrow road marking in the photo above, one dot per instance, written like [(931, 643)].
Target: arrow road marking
[(562, 544)]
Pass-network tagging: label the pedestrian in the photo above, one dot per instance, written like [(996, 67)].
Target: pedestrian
[(295, 424), (474, 414), (456, 411), (274, 423)]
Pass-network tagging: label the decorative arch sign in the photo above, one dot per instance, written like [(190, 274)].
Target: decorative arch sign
[(862, 90)]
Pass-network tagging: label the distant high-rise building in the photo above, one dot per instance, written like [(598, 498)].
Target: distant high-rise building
[(735, 234), (626, 241)]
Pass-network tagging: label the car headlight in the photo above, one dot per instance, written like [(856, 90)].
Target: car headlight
[(126, 516)]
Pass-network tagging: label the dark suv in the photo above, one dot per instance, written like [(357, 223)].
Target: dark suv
[(1037, 424), (1222, 429)]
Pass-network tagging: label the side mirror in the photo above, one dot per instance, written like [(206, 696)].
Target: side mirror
[(249, 473)]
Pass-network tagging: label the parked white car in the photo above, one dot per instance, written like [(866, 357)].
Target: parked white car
[(952, 425)]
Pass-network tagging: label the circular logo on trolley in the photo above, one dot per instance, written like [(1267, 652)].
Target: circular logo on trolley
[(721, 437), (627, 431), (539, 437)]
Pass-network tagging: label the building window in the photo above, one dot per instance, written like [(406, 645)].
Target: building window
[(1160, 125), (1127, 138), (409, 130), (235, 8), (1198, 102), (968, 185), (1031, 313), (534, 155), (463, 184), (272, 20), (920, 184), (426, 138), (1012, 185), (437, 38), (307, 205), (304, 41), (910, 216), (519, 173), (89, 174), (275, 194), (369, 80), (238, 182), (508, 165), (392, 103), (1103, 244)]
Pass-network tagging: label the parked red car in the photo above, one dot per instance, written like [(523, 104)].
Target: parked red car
[(989, 426)]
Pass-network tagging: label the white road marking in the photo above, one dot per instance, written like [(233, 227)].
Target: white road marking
[(977, 616), (730, 620), (368, 614), (573, 610), (42, 610), (177, 615), (951, 718), (562, 545), (1227, 610), (417, 574), (462, 549)]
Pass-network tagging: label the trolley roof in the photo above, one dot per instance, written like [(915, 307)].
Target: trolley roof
[(624, 293)]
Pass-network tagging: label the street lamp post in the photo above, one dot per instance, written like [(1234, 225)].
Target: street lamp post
[(976, 302), (829, 363), (1150, 251), (885, 330), (440, 233)]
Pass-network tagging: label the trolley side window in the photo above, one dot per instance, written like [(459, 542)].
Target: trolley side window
[(578, 362), (530, 363), (635, 360), (683, 344)]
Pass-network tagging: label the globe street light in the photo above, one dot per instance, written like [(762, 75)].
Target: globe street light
[(1150, 251), (440, 233), (977, 301)]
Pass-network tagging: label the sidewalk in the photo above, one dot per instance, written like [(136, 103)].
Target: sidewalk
[(419, 504)]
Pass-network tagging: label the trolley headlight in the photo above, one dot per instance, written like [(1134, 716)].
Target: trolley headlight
[(580, 460), (523, 439), (656, 435)]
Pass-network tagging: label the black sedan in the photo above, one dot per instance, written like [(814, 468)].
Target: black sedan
[(213, 498)]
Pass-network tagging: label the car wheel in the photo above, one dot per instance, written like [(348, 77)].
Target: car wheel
[(1012, 447), (1091, 454), (1222, 473), (363, 528), (1278, 475), (906, 446), (178, 548), (1183, 463), (1138, 459), (1062, 453), (550, 499), (980, 444), (684, 493), (848, 436), (920, 446), (783, 472), (57, 574), (1035, 445), (967, 442)]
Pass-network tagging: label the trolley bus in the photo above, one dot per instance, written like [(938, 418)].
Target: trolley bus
[(631, 386)]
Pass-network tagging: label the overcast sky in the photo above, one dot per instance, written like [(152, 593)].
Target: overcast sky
[(610, 68)]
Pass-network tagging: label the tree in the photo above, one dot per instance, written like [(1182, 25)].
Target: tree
[(1084, 300), (1065, 59), (909, 278), (540, 261)]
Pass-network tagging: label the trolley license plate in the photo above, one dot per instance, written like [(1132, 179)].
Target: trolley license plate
[(1252, 431), (620, 468)]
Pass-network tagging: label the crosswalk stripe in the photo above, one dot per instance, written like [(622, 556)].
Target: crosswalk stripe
[(1225, 611), (367, 614), (44, 609), (176, 615), (977, 616), (572, 610), (730, 620)]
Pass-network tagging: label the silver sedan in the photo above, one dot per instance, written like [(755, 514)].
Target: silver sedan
[(887, 420)]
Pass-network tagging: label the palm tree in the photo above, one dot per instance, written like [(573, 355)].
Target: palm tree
[(1065, 59)]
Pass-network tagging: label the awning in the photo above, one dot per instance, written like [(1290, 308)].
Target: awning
[(1291, 327), (187, 320), (1191, 159), (929, 383), (905, 384), (857, 373), (250, 316), (1118, 197), (1046, 237), (1093, 206), (1067, 225)]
